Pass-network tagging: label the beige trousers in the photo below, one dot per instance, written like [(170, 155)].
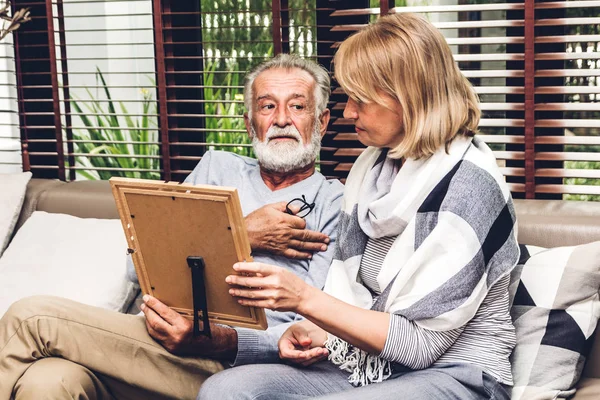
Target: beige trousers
[(52, 348)]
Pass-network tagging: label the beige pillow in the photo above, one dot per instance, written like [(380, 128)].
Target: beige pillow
[(12, 195)]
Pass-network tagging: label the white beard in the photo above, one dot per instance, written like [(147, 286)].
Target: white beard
[(288, 155)]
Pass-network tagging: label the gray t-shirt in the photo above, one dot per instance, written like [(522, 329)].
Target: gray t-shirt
[(228, 169)]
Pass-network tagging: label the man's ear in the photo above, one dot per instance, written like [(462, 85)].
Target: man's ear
[(248, 126), (324, 119)]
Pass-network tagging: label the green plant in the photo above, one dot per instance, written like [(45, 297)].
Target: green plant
[(113, 140), (236, 37), (582, 181), (227, 125)]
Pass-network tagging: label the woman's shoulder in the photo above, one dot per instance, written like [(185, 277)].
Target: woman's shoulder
[(477, 184)]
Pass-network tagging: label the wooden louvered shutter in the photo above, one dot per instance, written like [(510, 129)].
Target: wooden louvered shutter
[(204, 50), (534, 66)]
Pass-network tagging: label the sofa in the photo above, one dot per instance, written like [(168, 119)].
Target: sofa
[(540, 223)]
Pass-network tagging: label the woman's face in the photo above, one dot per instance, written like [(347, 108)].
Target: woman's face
[(375, 124)]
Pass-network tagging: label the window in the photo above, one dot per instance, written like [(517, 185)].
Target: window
[(177, 90), (534, 66)]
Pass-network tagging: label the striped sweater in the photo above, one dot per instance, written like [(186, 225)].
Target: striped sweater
[(486, 341)]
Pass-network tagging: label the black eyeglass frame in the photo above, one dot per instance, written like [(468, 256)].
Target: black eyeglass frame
[(305, 206)]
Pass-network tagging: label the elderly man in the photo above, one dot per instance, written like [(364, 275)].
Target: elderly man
[(54, 348)]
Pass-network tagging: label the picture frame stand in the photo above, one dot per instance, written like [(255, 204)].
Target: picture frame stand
[(197, 267)]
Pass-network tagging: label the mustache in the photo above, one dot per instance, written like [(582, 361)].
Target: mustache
[(288, 131)]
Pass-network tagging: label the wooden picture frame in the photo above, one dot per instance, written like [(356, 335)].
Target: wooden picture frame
[(166, 222)]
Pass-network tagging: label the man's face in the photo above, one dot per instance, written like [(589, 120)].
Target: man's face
[(286, 135)]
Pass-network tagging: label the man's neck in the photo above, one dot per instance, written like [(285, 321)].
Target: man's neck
[(279, 180)]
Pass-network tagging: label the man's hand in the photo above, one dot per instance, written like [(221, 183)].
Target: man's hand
[(174, 333), (302, 344), (272, 230)]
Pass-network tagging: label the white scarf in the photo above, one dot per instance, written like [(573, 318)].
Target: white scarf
[(417, 272)]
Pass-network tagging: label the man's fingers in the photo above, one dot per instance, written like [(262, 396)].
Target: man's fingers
[(307, 246), (280, 206), (154, 322), (286, 344), (315, 355), (161, 309), (294, 222), (304, 340), (306, 235), (296, 255), (288, 351), (294, 208), (156, 335), (313, 360)]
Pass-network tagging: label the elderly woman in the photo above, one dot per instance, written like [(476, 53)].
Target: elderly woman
[(416, 302)]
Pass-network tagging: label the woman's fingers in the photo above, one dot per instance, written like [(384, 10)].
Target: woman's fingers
[(255, 267), (296, 255), (248, 281), (265, 298), (276, 288)]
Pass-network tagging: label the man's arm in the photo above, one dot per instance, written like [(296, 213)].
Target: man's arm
[(272, 230), (174, 333), (261, 346), (237, 345)]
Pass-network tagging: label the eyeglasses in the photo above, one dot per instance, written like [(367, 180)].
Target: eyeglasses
[(305, 207)]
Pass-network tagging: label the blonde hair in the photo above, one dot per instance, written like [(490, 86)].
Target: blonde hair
[(405, 57)]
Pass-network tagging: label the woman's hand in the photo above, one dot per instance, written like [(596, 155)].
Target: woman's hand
[(302, 344), (269, 287)]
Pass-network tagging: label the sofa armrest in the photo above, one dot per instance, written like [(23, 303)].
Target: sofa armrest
[(587, 389), (84, 199), (552, 223), (35, 188), (592, 363)]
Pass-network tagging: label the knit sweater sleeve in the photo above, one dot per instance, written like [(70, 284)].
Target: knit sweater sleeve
[(413, 346)]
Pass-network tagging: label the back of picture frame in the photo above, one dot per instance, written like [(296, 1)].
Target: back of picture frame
[(167, 222)]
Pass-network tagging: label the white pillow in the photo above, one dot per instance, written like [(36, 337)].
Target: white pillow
[(12, 195), (555, 310), (82, 259)]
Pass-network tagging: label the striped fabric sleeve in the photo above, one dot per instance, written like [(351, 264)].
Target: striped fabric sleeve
[(413, 346)]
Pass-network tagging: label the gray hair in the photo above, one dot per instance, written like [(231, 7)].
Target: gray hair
[(290, 61)]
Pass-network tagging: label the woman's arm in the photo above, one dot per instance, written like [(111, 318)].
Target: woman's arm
[(278, 289)]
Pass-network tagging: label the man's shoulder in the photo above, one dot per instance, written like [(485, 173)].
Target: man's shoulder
[(330, 190), (335, 187), (220, 168)]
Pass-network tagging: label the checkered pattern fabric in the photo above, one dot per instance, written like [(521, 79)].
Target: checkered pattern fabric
[(555, 311), (453, 220)]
